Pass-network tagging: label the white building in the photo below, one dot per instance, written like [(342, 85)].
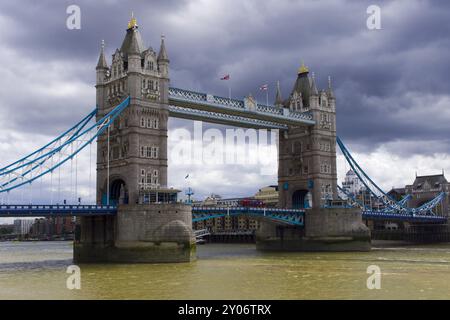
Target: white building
[(352, 184)]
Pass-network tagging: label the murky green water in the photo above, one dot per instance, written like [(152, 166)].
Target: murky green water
[(37, 270)]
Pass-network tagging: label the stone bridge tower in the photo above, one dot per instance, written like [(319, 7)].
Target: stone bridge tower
[(307, 179), (150, 226), (307, 154), (137, 159)]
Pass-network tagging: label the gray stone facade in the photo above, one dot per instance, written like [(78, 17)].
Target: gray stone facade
[(328, 229), (132, 160), (307, 154), (426, 188), (150, 233), (138, 138)]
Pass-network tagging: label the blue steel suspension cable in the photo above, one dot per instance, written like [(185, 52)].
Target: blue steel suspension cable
[(100, 126), (79, 126), (387, 200)]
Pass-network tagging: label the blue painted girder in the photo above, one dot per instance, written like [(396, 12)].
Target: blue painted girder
[(210, 103), (55, 210), (288, 216), (389, 216)]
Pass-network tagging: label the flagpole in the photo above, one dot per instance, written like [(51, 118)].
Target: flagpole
[(267, 96), (229, 91)]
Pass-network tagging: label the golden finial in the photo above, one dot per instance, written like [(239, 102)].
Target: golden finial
[(303, 68), (133, 21)]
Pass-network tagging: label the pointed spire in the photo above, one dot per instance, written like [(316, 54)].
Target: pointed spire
[(162, 56), (134, 47), (101, 59), (330, 89), (278, 99), (314, 90)]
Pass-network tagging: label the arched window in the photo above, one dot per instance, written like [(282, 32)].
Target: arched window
[(156, 123), (149, 122), (142, 122)]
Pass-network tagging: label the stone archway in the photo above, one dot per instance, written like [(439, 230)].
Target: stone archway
[(118, 192), (301, 199)]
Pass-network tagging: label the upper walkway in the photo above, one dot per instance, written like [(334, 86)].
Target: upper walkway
[(247, 113)]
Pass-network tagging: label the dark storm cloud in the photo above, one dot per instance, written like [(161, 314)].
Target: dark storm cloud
[(380, 77)]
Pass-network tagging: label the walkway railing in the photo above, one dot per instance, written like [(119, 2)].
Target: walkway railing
[(215, 104), (55, 210)]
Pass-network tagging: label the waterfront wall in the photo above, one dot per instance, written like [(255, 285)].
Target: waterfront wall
[(415, 234)]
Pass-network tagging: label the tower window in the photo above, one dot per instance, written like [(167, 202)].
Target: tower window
[(143, 122), (155, 177), (154, 153)]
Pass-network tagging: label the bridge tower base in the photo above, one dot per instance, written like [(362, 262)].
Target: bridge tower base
[(139, 233), (326, 229)]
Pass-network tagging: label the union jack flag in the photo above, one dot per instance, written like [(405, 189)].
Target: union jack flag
[(264, 87), (226, 77)]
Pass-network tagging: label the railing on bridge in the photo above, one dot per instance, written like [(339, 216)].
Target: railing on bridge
[(214, 105), (287, 216), (222, 118), (391, 216), (55, 210)]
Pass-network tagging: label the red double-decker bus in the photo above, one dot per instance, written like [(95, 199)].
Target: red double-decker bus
[(251, 203)]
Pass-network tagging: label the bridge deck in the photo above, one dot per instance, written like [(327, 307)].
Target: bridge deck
[(402, 217), (55, 210), (289, 216), (202, 106)]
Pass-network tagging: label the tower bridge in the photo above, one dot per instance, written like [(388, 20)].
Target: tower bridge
[(137, 217)]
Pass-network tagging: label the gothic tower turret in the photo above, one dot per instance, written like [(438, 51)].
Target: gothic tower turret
[(307, 155), (137, 159)]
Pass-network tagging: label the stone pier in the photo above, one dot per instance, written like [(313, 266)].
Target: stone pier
[(147, 233), (334, 229)]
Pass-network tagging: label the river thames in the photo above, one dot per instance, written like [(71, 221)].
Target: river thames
[(37, 270)]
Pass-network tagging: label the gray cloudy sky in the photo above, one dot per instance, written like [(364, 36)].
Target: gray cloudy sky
[(392, 85)]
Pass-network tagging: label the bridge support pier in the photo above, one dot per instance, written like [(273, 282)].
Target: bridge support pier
[(326, 229), (139, 233)]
